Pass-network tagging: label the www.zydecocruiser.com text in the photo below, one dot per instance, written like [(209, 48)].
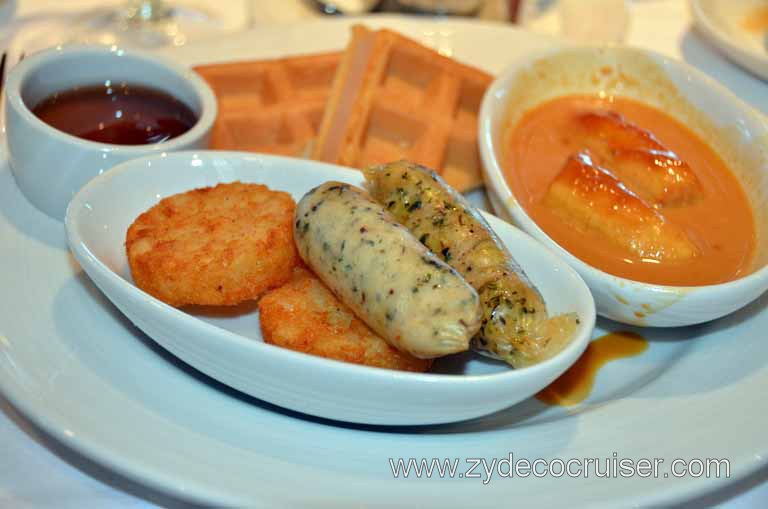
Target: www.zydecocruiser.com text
[(486, 469)]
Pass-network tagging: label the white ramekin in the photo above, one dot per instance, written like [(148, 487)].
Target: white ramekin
[(50, 166), (731, 127)]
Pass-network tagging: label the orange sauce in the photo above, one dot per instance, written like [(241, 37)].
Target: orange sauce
[(574, 385), (720, 224), (757, 20)]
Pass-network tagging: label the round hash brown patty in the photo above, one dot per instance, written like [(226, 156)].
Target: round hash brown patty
[(218, 245), (304, 315)]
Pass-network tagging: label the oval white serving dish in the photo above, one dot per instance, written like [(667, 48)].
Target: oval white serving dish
[(736, 132), (230, 348)]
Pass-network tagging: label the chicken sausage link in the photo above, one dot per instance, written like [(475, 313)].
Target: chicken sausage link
[(404, 292), (516, 326)]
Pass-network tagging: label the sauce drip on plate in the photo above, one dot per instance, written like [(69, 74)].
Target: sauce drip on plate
[(118, 113), (574, 385)]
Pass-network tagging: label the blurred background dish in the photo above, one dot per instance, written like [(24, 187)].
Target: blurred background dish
[(738, 28)]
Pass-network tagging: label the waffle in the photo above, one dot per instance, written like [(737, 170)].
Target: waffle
[(272, 106), (393, 98)]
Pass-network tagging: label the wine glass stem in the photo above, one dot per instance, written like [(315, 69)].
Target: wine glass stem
[(144, 11)]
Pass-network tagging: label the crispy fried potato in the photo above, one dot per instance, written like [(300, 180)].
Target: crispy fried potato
[(219, 245), (305, 316)]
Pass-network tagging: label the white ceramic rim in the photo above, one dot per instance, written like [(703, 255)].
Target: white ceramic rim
[(497, 185), (18, 75)]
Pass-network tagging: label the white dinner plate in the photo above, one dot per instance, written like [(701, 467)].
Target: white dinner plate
[(74, 365), (732, 26)]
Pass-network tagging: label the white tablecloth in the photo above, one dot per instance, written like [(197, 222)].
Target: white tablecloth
[(36, 472)]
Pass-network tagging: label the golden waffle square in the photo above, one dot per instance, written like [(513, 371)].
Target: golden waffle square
[(394, 98), (273, 106)]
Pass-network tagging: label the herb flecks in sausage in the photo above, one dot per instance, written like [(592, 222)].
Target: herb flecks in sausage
[(516, 326), (384, 274)]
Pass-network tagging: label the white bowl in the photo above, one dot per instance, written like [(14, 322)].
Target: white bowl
[(49, 165), (721, 21), (732, 128), (230, 348)]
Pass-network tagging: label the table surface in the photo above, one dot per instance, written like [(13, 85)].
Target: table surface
[(36, 472)]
